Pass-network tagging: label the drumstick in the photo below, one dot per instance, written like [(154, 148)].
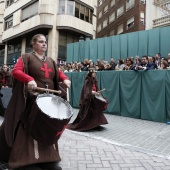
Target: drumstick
[(49, 90), (68, 95), (101, 90)]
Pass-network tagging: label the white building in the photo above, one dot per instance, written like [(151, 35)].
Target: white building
[(61, 21), (157, 13)]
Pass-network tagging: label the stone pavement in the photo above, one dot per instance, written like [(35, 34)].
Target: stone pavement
[(123, 144)]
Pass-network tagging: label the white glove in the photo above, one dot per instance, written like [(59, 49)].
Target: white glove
[(67, 83), (32, 85)]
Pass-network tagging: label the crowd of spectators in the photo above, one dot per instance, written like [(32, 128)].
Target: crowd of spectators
[(130, 63)]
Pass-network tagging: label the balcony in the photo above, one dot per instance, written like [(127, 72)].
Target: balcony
[(160, 22)]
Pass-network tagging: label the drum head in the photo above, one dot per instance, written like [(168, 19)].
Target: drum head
[(54, 106)]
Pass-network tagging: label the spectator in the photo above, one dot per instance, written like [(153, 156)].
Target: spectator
[(144, 64), (120, 65), (151, 61), (112, 63), (129, 64), (85, 65), (164, 65)]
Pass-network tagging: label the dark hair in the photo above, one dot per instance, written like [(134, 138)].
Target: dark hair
[(145, 57), (131, 61), (120, 61)]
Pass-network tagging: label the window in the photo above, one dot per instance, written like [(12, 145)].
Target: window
[(70, 7), (30, 11), (10, 49), (64, 39), (87, 14), (100, 15), (112, 3), (99, 28), (112, 17), (100, 2), (120, 11), (77, 7), (9, 2), (83, 12), (112, 32), (61, 7), (130, 4), (105, 9), (105, 22), (142, 18), (130, 23), (91, 16), (9, 23), (1, 18), (142, 1), (120, 29), (2, 52)]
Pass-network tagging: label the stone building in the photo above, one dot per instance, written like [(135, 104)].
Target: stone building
[(123, 16), (61, 21)]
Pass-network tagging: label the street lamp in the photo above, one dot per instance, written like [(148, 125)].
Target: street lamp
[(81, 39)]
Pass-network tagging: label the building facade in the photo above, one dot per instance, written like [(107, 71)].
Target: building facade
[(2, 46), (61, 21), (123, 16)]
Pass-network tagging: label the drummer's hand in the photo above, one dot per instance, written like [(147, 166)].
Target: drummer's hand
[(32, 85), (95, 92), (67, 83)]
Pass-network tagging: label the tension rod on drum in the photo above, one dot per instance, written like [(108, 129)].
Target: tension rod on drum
[(49, 90)]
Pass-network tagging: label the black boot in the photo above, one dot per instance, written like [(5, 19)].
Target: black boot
[(29, 167), (50, 166)]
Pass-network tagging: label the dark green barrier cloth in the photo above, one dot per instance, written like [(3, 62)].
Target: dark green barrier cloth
[(108, 48), (153, 95), (167, 95), (137, 94), (164, 41), (87, 50), (133, 43), (100, 51), (110, 81), (70, 53), (76, 51), (143, 43), (77, 81), (93, 50), (153, 41), (116, 47), (81, 51), (124, 46), (130, 89)]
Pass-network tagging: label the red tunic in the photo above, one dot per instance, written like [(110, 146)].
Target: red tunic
[(25, 78)]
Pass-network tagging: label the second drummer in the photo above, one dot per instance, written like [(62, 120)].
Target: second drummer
[(19, 149), (88, 117)]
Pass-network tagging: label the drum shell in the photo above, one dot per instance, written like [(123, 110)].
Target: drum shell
[(100, 105), (43, 128)]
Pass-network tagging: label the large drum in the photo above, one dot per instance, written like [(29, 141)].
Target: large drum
[(51, 115), (100, 103)]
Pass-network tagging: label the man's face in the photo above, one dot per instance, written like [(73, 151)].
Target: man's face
[(40, 46), (144, 60)]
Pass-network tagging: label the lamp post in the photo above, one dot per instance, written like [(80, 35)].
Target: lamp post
[(81, 39)]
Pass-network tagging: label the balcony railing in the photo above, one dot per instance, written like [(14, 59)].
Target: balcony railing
[(163, 21)]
